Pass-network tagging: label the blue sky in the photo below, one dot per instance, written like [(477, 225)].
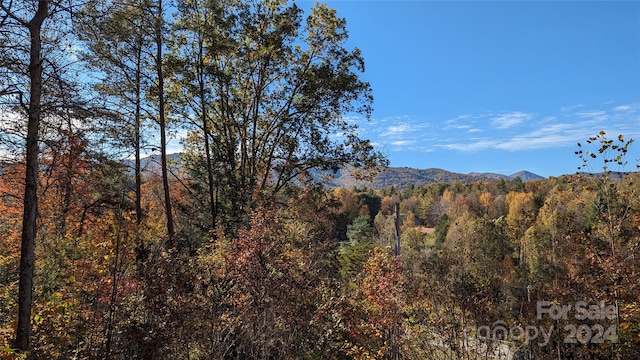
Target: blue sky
[(497, 86)]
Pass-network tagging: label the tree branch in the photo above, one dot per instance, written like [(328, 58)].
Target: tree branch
[(10, 14), (9, 91)]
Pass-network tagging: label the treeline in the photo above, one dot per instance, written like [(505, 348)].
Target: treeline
[(545, 269)]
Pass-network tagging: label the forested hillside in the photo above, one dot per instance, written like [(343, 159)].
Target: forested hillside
[(401, 177), (233, 250)]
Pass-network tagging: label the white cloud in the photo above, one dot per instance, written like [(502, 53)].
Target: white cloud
[(553, 135), (627, 107), (474, 146), (597, 115), (570, 108), (456, 119), (458, 123), (399, 131), (403, 142), (526, 130), (396, 129), (9, 120), (506, 121), (549, 136), (525, 142)]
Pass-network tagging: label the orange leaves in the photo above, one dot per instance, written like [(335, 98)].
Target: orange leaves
[(271, 290), (375, 315), (381, 277)]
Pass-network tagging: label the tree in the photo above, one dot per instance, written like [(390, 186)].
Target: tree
[(376, 326), (158, 14), (118, 49), (11, 192), (33, 109), (522, 214), (385, 230), (281, 91), (197, 34), (42, 97), (612, 241), (352, 253), (127, 48), (612, 153)]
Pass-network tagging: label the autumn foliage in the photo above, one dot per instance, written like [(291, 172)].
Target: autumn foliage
[(108, 287), (235, 249)]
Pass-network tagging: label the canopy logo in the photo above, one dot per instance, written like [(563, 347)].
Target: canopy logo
[(583, 323)]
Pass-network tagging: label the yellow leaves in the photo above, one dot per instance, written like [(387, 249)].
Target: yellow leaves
[(486, 199), (360, 353)]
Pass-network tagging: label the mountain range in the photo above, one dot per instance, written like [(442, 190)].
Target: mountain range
[(402, 176), (391, 176)]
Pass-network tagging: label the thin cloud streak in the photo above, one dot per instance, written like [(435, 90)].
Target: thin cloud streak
[(396, 129), (597, 115), (540, 140), (479, 145), (513, 131), (541, 132), (557, 135), (403, 142), (627, 107), (506, 121), (570, 108)]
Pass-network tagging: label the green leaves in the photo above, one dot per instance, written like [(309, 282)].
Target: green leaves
[(275, 94), (611, 151)]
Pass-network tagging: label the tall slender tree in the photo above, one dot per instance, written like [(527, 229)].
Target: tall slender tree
[(118, 40), (131, 41), (195, 39), (33, 108), (39, 94), (159, 63)]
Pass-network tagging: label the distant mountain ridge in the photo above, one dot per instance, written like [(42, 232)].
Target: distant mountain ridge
[(151, 163), (391, 176), (401, 176)]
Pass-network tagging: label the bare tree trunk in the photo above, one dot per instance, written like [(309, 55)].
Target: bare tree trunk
[(140, 247), (163, 125), (27, 255), (137, 144), (205, 129)]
